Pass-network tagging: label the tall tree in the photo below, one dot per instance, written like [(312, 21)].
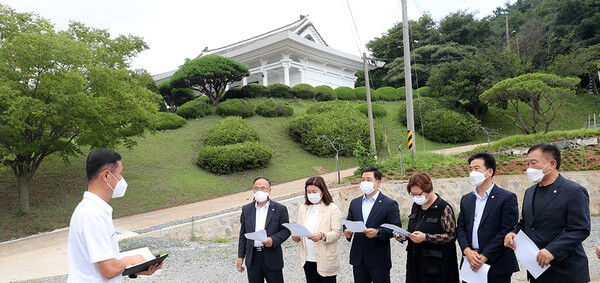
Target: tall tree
[(63, 90), (581, 62), (209, 75), (175, 97), (543, 94)]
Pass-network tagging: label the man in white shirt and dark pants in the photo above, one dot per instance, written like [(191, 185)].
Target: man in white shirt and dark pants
[(93, 247)]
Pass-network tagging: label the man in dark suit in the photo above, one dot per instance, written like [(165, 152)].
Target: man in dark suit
[(486, 215), (264, 260), (556, 217), (370, 253)]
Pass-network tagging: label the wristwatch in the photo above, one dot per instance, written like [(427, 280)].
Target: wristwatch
[(377, 232), (322, 236)]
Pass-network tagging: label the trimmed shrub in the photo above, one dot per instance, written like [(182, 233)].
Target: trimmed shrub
[(423, 91), (325, 93), (229, 131), (204, 99), (421, 108), (234, 92), (235, 107), (169, 121), (274, 108), (304, 91), (254, 91), (130, 129), (193, 109), (361, 93), (388, 93), (337, 106), (279, 91), (378, 111), (402, 93), (234, 157), (348, 126), (345, 93), (449, 126)]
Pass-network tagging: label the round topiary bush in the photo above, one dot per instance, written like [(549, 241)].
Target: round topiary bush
[(423, 91), (193, 109), (345, 93), (361, 93), (326, 106), (279, 91), (378, 111), (204, 99), (229, 131), (169, 121), (304, 91), (402, 93), (324, 93), (254, 91), (235, 107), (274, 108), (421, 107), (234, 157), (234, 92), (449, 126), (347, 126), (388, 93)]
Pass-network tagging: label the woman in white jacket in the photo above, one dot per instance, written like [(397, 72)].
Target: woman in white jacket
[(319, 253)]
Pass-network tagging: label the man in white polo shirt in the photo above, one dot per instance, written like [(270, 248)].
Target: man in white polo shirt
[(93, 245)]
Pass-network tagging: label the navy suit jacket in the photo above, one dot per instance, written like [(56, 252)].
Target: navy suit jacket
[(500, 215), (374, 253), (276, 216), (560, 227)]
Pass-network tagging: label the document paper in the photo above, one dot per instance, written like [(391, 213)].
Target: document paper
[(396, 228), (468, 275), (526, 251), (260, 236), (355, 226), (298, 230), (144, 251)]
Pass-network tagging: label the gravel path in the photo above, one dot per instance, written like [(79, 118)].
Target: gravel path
[(215, 262)]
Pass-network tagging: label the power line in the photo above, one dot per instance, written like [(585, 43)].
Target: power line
[(355, 30)]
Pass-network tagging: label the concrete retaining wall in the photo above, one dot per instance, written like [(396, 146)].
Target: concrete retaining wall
[(227, 225)]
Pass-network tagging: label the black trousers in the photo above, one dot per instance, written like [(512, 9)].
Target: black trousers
[(312, 276), (364, 275), (258, 271)]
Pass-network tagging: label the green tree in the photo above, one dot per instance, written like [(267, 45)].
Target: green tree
[(209, 75), (463, 28), (542, 93), (60, 91), (175, 97), (581, 62)]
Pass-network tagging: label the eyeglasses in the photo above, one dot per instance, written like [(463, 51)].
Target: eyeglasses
[(264, 189)]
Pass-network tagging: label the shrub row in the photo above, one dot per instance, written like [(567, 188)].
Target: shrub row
[(230, 130), (235, 107), (193, 109), (274, 108)]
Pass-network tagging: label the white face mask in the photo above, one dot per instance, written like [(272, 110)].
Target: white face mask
[(420, 200), (261, 196), (314, 198), (120, 188), (367, 187), (477, 178), (536, 175)]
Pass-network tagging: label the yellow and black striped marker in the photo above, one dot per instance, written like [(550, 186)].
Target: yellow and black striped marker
[(410, 140)]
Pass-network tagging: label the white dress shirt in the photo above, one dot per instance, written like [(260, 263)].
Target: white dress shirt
[(311, 225), (479, 206), (261, 219), (367, 205)]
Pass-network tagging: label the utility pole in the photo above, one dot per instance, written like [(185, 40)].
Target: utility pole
[(369, 110), (507, 38), (410, 119)]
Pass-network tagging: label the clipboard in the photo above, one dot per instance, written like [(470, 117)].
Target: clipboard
[(144, 265)]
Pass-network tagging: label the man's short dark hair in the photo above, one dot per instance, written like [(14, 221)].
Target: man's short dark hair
[(376, 172), (488, 160), (549, 150), (261, 178), (99, 160)]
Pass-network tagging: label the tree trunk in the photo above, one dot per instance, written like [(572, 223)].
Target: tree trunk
[(24, 181)]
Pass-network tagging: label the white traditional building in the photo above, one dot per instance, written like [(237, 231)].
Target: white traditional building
[(291, 55)]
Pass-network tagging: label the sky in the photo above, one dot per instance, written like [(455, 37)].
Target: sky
[(180, 29)]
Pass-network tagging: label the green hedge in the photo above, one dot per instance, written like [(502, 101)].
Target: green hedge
[(229, 131), (204, 99), (421, 107), (234, 157), (345, 93), (378, 111), (423, 91), (326, 106), (388, 93), (193, 109), (274, 108), (325, 93), (235, 107), (254, 91), (361, 94), (279, 91), (169, 121), (234, 92), (449, 126), (304, 91), (402, 93), (348, 126)]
